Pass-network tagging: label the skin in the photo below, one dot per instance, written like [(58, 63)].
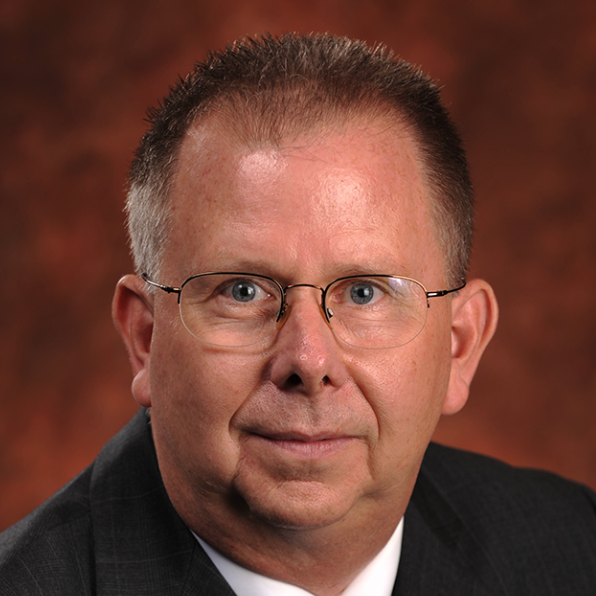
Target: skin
[(279, 454)]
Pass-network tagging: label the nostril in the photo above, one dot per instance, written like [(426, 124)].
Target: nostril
[(293, 381)]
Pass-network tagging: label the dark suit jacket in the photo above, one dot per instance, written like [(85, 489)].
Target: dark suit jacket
[(473, 527)]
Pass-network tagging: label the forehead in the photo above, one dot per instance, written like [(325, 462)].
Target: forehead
[(327, 190)]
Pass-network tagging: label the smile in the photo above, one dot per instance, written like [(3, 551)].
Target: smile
[(309, 447)]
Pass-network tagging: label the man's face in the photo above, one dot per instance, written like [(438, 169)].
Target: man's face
[(305, 430)]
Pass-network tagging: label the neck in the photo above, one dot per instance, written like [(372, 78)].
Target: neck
[(323, 561)]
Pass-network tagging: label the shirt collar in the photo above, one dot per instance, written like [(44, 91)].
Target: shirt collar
[(378, 577)]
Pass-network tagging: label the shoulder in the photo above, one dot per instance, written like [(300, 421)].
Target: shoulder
[(52, 550), (480, 526), (466, 477), (535, 527), (49, 551)]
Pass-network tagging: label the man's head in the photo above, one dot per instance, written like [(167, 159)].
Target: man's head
[(278, 452), (274, 89)]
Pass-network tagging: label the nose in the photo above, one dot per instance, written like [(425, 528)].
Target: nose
[(307, 356)]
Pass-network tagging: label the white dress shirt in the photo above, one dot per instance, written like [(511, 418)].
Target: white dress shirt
[(377, 578)]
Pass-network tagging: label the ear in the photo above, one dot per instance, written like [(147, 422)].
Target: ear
[(473, 323), (132, 311)]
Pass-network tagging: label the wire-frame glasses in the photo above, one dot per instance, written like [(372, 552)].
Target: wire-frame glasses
[(234, 309)]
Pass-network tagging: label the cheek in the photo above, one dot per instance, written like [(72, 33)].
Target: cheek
[(406, 388), (203, 386), (402, 394), (196, 391)]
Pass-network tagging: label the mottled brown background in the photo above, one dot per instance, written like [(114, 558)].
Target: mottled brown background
[(76, 79)]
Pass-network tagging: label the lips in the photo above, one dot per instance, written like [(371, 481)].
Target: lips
[(301, 437), (312, 446)]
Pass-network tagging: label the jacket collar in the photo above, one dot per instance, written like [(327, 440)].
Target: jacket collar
[(141, 544), (440, 555)]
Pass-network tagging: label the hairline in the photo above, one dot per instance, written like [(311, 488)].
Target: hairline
[(330, 121)]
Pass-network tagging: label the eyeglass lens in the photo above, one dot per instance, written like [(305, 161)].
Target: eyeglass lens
[(238, 310)]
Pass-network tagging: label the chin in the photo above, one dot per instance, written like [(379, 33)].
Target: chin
[(298, 505)]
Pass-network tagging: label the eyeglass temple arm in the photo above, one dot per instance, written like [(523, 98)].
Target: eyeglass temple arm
[(168, 289), (172, 290), (444, 292)]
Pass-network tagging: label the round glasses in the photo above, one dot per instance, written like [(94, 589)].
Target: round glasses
[(243, 309)]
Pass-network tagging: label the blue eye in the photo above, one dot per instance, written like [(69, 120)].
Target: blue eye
[(362, 293), (244, 291)]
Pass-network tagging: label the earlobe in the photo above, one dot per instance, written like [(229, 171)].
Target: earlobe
[(132, 312), (474, 320)]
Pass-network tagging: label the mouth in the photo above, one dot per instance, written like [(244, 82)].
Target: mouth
[(315, 446)]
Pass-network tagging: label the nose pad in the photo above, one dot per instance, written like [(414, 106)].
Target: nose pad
[(326, 315), (284, 316), (286, 313)]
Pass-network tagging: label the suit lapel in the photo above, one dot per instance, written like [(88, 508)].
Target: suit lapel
[(203, 577), (141, 544), (440, 557)]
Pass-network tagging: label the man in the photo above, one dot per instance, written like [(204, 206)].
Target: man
[(300, 215)]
